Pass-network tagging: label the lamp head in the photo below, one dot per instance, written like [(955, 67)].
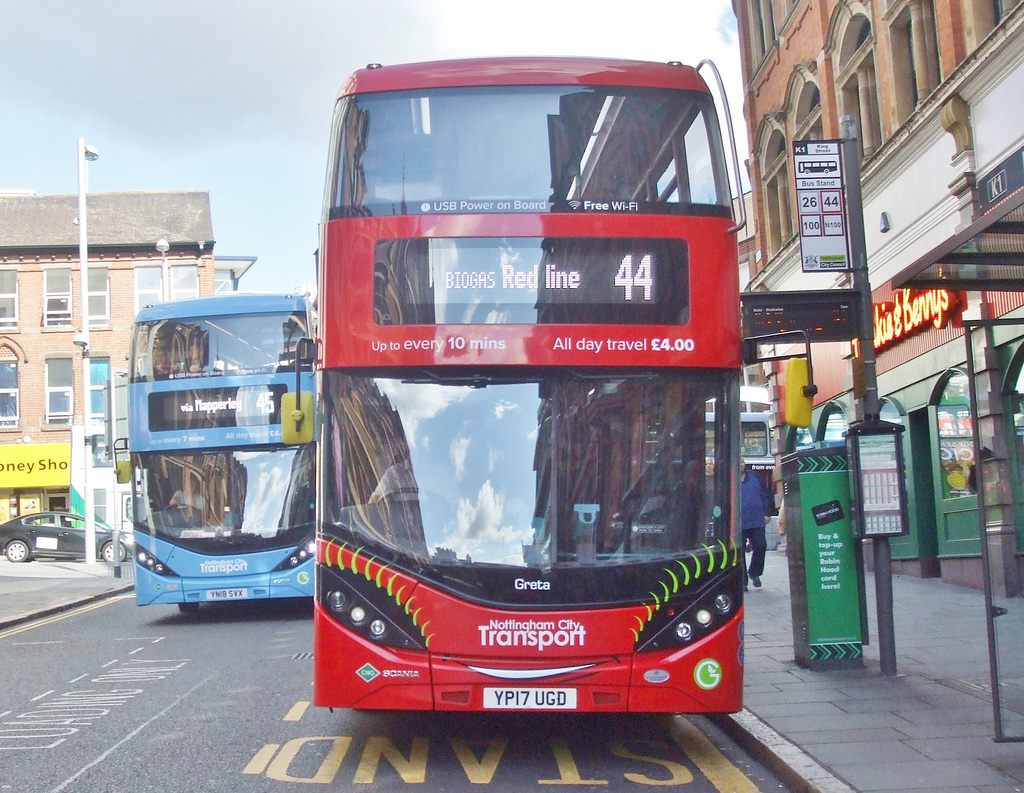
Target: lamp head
[(80, 341), (90, 152), (162, 245)]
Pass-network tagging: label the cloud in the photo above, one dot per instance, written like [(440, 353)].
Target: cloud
[(458, 450)]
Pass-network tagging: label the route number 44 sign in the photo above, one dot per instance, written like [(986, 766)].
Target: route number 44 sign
[(820, 206)]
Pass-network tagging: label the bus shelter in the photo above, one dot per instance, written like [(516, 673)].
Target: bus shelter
[(988, 256)]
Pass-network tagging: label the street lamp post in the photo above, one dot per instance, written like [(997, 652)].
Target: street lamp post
[(165, 275), (86, 154)]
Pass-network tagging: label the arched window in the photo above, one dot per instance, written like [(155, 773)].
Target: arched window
[(807, 114), (775, 186), (852, 48), (956, 437), (915, 55)]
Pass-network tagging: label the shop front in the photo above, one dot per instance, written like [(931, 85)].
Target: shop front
[(34, 477)]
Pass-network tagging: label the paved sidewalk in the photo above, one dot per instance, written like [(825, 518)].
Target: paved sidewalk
[(927, 729), (35, 589)]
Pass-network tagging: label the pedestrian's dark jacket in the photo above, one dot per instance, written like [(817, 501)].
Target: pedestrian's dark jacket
[(756, 502)]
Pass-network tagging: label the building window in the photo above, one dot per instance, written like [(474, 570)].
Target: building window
[(57, 298), (775, 180), (98, 297), (956, 438), (184, 282), (858, 93), (807, 114), (915, 55), (99, 504), (99, 380), (148, 287), (59, 391), (8, 299), (224, 281), (9, 394)]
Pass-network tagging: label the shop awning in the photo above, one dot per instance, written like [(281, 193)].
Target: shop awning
[(989, 254)]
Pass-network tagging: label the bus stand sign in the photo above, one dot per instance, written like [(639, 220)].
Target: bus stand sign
[(820, 207)]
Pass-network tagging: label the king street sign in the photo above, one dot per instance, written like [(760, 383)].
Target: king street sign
[(820, 206)]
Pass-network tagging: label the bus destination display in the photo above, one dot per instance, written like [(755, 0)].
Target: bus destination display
[(532, 281), (208, 408)]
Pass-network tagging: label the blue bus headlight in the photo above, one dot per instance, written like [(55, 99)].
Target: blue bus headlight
[(150, 562)]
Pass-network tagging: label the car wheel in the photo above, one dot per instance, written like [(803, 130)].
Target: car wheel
[(107, 552), (17, 551)]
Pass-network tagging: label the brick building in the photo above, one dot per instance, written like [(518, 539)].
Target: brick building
[(41, 368), (935, 87)]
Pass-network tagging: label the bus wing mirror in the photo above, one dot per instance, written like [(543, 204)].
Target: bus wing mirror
[(799, 393), (297, 417), (122, 468)]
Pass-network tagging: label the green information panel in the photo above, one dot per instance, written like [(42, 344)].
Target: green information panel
[(823, 578)]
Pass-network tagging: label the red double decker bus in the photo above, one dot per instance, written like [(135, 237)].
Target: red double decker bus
[(529, 357)]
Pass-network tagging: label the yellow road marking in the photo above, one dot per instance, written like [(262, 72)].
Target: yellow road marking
[(715, 766), (55, 618), (297, 711)]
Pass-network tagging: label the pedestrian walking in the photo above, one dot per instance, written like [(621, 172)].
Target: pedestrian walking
[(756, 513)]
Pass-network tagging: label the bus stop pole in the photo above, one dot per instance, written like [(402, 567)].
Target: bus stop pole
[(871, 407)]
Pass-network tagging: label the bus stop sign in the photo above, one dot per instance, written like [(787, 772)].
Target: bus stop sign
[(820, 206)]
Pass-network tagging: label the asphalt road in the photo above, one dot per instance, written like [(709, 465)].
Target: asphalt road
[(112, 697)]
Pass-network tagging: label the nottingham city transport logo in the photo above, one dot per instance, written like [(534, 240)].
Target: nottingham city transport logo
[(708, 674)]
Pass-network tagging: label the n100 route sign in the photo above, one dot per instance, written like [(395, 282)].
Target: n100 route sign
[(820, 208)]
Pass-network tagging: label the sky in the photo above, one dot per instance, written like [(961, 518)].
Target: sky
[(235, 96)]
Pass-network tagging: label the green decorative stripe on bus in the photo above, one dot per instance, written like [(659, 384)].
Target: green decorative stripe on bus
[(665, 587), (368, 563), (696, 559), (711, 556), (725, 554), (675, 580), (686, 572)]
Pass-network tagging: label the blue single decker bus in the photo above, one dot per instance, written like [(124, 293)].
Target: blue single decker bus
[(224, 507)]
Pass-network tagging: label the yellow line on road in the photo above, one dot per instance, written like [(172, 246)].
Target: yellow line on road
[(714, 765), (55, 618)]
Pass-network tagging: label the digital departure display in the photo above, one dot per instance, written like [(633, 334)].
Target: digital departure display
[(231, 406), (532, 281)]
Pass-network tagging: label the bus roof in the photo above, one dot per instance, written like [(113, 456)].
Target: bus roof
[(220, 305), (522, 71)]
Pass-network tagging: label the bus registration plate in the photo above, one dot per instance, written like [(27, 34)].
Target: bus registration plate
[(227, 594), (530, 698)]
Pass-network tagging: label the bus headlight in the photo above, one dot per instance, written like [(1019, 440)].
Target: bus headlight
[(378, 629), (151, 563), (357, 615), (336, 601), (684, 631), (704, 617), (723, 604)]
